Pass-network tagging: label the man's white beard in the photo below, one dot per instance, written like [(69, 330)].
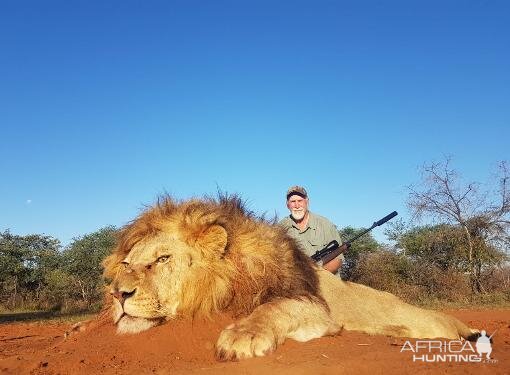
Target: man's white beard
[(297, 214)]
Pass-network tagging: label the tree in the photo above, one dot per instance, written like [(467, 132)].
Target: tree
[(440, 245), (483, 217), (24, 261), (82, 259)]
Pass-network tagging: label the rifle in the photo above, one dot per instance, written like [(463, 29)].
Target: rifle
[(334, 249)]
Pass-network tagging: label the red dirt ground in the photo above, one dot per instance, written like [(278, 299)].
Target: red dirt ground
[(185, 347)]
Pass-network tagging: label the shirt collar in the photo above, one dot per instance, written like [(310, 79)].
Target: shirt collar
[(312, 222)]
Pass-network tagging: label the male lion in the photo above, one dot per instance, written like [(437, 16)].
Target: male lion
[(181, 259)]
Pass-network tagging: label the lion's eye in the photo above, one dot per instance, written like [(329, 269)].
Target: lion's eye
[(163, 259)]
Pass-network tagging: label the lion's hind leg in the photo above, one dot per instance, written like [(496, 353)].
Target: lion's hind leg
[(270, 324)]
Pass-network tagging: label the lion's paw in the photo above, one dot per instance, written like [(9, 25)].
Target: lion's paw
[(239, 341)]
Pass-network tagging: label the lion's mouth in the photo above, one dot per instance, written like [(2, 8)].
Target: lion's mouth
[(132, 324), (126, 316), (117, 320)]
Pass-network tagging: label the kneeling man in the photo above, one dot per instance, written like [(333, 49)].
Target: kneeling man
[(312, 232)]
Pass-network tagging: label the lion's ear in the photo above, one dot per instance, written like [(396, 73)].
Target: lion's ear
[(213, 240)]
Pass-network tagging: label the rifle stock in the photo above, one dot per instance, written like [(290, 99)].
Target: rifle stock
[(333, 254)]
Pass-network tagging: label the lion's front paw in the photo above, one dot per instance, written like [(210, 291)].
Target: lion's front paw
[(239, 341)]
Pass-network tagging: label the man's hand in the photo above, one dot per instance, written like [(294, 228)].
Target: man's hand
[(333, 265)]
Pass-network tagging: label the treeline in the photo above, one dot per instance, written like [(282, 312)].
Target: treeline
[(423, 264), (430, 265), (37, 273)]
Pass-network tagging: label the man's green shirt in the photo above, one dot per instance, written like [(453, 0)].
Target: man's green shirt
[(319, 232)]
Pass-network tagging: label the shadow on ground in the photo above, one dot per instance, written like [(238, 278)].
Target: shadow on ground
[(36, 315)]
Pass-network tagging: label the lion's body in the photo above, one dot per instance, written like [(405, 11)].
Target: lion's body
[(205, 256), (360, 308)]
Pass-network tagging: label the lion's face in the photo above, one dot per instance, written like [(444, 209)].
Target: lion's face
[(159, 276), (149, 281)]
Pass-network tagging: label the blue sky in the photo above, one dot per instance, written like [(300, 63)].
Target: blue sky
[(105, 105)]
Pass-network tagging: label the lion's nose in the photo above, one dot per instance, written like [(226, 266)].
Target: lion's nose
[(122, 295)]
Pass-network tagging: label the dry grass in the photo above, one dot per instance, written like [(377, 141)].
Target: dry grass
[(427, 285)]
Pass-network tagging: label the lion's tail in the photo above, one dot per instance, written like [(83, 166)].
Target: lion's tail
[(470, 334)]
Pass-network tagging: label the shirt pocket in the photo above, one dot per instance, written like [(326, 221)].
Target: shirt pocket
[(316, 240)]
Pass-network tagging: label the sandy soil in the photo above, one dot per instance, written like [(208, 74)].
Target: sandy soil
[(185, 347)]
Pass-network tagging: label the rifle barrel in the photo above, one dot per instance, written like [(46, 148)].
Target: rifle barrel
[(385, 219), (375, 224), (333, 245), (359, 235)]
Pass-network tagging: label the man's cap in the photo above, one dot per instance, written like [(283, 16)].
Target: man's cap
[(299, 190)]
